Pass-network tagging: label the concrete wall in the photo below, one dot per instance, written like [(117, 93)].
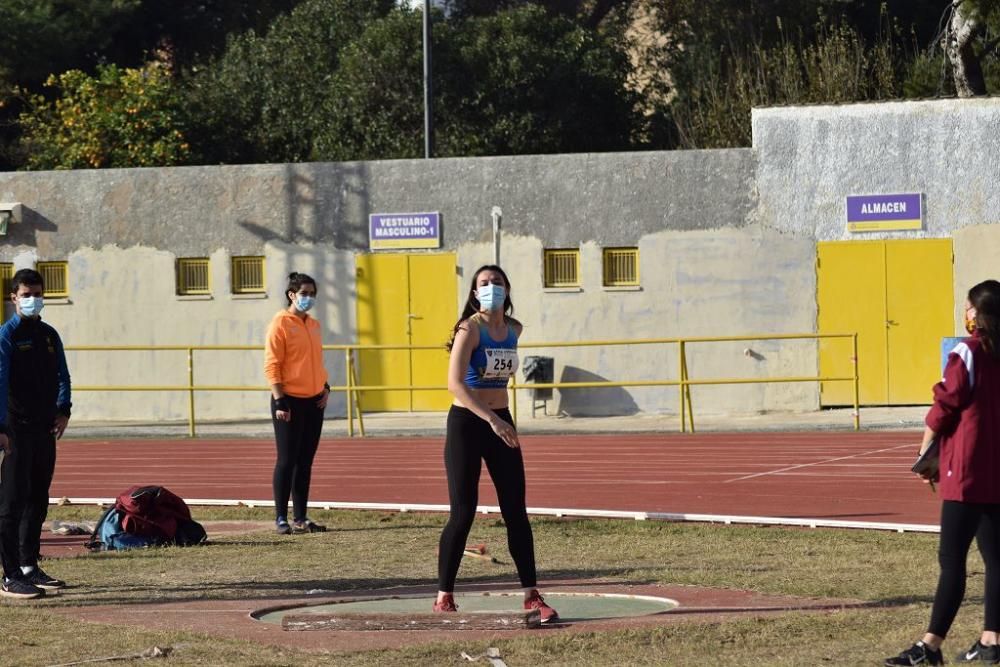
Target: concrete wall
[(810, 158), (726, 242)]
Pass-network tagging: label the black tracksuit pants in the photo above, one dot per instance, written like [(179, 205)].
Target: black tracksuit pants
[(25, 477), (960, 522), (297, 441), (468, 443)]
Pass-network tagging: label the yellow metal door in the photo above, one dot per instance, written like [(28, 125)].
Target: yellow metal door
[(405, 300), (432, 315), (920, 301), (382, 306), (850, 286)]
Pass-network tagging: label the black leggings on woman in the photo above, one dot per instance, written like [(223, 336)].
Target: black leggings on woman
[(468, 442), (297, 441), (960, 522)]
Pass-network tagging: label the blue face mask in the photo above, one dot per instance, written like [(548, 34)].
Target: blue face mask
[(491, 297), (304, 303), (31, 305)]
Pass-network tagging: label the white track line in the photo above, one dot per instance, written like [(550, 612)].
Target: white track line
[(563, 512), (815, 463)]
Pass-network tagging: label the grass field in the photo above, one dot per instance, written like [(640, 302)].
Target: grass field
[(894, 572)]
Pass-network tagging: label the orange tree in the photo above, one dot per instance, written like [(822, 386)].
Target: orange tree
[(119, 117)]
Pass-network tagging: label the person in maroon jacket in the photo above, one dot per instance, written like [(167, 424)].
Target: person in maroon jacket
[(965, 419)]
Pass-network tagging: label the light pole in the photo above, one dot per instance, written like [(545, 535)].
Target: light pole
[(428, 89)]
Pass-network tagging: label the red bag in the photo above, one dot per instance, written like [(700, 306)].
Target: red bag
[(152, 511)]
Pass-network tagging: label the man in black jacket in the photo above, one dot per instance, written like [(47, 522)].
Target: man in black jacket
[(34, 410)]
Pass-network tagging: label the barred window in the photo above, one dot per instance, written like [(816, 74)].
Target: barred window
[(621, 267), (192, 275), (562, 268), (6, 275), (248, 275), (56, 277)]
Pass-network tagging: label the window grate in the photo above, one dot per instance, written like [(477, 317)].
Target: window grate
[(248, 275), (621, 267), (55, 275), (562, 268), (192, 275), (6, 275)]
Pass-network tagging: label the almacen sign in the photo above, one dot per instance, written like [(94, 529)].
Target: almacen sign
[(882, 213)]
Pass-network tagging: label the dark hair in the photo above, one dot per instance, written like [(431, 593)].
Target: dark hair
[(295, 283), (472, 303), (985, 298), (26, 277)]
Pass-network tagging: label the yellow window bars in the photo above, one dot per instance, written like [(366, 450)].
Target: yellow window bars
[(55, 275), (248, 275), (6, 275), (621, 267), (192, 275), (562, 268)]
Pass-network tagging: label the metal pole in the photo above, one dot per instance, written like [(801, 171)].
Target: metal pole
[(857, 391), (496, 214), (428, 88), (680, 379), (190, 391), (350, 392)]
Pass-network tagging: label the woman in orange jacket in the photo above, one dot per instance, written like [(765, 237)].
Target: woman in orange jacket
[(293, 364)]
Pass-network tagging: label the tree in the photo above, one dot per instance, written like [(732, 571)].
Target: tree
[(342, 80), (262, 99), (520, 81), (966, 42), (118, 118)]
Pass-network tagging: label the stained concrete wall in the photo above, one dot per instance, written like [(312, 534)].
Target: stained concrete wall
[(724, 282), (810, 158), (706, 269)]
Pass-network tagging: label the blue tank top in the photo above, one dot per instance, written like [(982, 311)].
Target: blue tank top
[(493, 362)]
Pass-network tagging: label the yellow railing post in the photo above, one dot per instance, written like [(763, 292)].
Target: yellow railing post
[(686, 388), (349, 375), (857, 391), (190, 353), (680, 382), (357, 400)]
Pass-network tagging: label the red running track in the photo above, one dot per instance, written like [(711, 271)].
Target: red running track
[(829, 475)]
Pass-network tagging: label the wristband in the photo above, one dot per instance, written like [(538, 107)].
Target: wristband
[(281, 404)]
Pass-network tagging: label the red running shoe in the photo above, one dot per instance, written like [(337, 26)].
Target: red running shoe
[(536, 601), (447, 603)]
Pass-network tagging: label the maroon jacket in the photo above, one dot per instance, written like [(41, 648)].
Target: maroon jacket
[(966, 416)]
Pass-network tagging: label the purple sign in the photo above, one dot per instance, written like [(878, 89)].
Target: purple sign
[(868, 213), (391, 231)]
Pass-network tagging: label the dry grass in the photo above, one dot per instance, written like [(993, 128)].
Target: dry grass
[(895, 572)]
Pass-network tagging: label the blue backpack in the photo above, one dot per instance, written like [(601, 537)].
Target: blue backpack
[(109, 535)]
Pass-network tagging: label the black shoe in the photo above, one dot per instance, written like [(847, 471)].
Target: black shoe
[(980, 653), (307, 526), (283, 528), (20, 588), (39, 579), (918, 654)]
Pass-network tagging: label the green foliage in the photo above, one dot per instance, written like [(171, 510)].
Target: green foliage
[(118, 118), (520, 81), (716, 79), (262, 99)]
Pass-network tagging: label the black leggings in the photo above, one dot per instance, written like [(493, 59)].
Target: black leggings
[(960, 522), (297, 441), (469, 440), (25, 477)]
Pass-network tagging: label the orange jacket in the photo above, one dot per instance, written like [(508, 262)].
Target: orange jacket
[(293, 355)]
